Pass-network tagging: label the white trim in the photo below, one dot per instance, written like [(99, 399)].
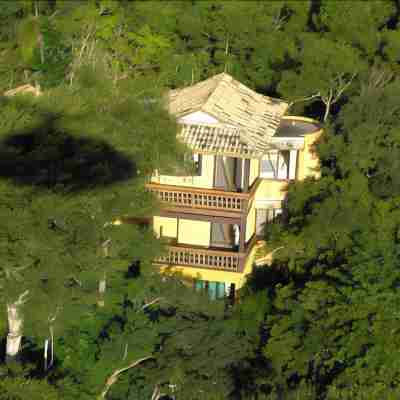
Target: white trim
[(268, 203), (198, 117)]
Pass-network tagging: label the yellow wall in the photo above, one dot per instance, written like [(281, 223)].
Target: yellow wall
[(169, 226), (251, 222), (207, 274), (254, 170), (271, 189), (194, 232), (307, 160), (206, 180)]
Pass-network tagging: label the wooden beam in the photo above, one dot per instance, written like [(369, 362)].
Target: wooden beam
[(198, 217), (203, 211), (242, 231), (238, 172)]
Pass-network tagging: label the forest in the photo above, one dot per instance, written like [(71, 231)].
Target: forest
[(321, 323)]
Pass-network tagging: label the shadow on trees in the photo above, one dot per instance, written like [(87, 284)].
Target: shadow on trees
[(266, 277), (46, 157)]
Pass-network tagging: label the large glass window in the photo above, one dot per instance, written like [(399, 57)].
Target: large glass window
[(269, 165), (275, 165), (283, 165), (265, 216)]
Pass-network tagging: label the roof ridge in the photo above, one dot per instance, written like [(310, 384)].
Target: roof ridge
[(222, 77)]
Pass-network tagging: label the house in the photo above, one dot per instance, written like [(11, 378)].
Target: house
[(245, 151)]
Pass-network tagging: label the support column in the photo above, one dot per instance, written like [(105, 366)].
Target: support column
[(292, 164), (246, 175), (238, 173), (242, 232)]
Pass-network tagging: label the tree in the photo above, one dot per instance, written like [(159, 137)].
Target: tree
[(325, 70), (358, 24), (340, 247), (66, 213)]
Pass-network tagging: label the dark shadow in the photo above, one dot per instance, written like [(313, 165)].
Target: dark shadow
[(45, 157), (133, 270), (266, 277)]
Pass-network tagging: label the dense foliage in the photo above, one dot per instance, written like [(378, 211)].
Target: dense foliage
[(321, 323)]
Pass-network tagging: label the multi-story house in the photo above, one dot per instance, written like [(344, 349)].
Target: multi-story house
[(245, 151)]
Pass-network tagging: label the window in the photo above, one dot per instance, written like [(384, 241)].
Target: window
[(261, 219), (269, 165), (194, 163), (283, 165), (265, 216), (273, 214), (275, 165)]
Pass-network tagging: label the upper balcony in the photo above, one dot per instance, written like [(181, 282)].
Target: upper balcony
[(213, 200)]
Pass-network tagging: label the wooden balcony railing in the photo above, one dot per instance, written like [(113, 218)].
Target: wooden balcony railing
[(202, 198), (203, 258)]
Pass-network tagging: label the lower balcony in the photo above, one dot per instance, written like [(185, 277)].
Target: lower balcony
[(202, 257), (224, 260)]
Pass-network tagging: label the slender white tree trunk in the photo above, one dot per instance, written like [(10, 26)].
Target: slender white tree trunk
[(103, 281), (15, 323), (102, 291), (327, 110), (45, 352), (51, 346), (14, 336)]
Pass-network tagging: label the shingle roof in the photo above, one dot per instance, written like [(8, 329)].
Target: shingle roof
[(256, 117), (226, 140), (216, 138)]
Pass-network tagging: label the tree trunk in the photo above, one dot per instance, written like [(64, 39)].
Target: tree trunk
[(102, 282), (15, 322), (45, 351), (114, 376), (51, 347), (327, 111), (102, 290)]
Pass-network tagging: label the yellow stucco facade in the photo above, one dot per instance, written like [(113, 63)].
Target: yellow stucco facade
[(195, 233), (254, 170), (308, 163), (165, 226), (251, 222)]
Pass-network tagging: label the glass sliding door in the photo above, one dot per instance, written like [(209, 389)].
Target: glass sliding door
[(215, 290), (223, 236)]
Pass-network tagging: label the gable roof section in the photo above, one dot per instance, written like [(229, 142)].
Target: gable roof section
[(255, 116)]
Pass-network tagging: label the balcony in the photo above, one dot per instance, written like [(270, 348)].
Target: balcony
[(203, 199), (197, 257), (203, 258)]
